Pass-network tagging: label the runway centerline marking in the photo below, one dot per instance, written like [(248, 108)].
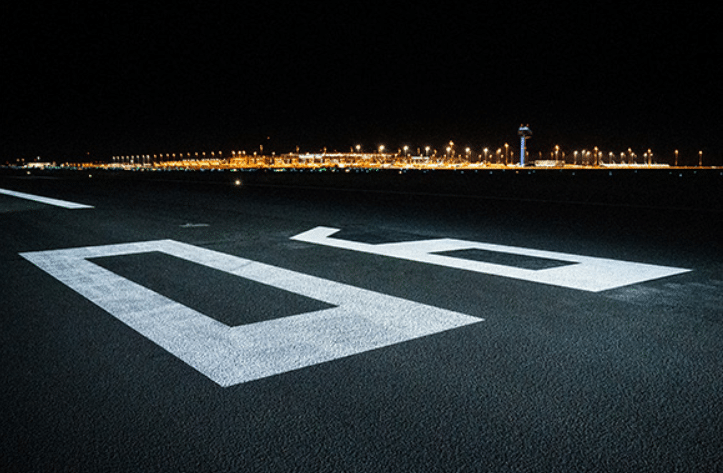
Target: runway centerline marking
[(361, 320), (587, 273), (45, 200)]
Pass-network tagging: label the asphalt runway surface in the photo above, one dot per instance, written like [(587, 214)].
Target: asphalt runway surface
[(181, 326)]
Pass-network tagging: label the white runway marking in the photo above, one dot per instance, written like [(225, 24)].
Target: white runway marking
[(194, 225), (45, 200), (587, 273), (362, 320)]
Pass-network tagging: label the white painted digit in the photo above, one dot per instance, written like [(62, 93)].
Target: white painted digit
[(362, 320), (586, 273)]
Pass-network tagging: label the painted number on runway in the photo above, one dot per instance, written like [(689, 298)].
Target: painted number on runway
[(583, 272), (360, 320)]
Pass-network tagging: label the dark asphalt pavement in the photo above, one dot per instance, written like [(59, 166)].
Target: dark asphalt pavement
[(544, 378)]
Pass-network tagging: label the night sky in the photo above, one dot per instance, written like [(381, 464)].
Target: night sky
[(93, 82)]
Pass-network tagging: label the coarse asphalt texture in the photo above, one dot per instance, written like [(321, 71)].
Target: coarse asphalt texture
[(549, 379)]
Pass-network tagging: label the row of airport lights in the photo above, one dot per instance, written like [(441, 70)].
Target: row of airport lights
[(596, 157), (500, 156), (147, 159)]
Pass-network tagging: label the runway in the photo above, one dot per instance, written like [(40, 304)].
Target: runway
[(197, 325)]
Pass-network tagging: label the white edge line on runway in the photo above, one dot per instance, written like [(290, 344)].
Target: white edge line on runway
[(45, 200)]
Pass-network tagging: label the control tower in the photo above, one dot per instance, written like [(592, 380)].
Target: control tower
[(524, 133)]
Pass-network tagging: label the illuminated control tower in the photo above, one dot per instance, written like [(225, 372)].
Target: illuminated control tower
[(524, 133)]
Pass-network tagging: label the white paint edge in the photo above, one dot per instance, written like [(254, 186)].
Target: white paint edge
[(45, 200)]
